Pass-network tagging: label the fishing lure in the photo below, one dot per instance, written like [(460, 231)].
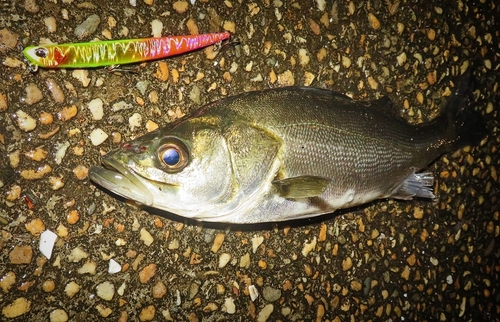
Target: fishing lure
[(117, 52)]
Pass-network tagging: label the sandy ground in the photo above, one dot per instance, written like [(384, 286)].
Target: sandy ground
[(386, 261)]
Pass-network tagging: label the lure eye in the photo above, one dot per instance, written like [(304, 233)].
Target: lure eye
[(41, 52), (174, 156)]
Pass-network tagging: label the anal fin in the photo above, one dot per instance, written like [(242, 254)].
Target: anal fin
[(416, 185)]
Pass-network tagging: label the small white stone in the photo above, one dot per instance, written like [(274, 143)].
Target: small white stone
[(265, 313), (47, 241), (156, 27), (98, 136), (121, 289), (308, 247), (58, 315), (229, 305), (114, 267), (77, 254), (254, 293), (105, 291), (96, 109), (61, 151), (224, 259), (256, 241), (135, 121), (25, 121), (146, 237)]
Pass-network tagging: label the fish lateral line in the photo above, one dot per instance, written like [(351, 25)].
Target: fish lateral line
[(118, 52)]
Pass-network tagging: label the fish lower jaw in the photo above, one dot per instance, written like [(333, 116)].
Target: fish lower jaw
[(126, 185)]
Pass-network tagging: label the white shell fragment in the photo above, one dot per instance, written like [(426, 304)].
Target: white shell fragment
[(114, 267), (47, 241), (254, 293)]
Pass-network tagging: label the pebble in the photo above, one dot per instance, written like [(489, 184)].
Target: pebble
[(98, 136), (180, 6), (71, 289), (245, 261), (161, 74), (224, 259), (58, 315), (61, 151), (31, 6), (308, 247), (48, 286), (135, 121), (17, 308), (373, 20), (67, 113), (81, 172), (104, 311), (147, 313), (3, 102), (347, 264), (88, 27), (146, 237), (14, 193), (35, 227), (218, 240), (72, 217), (89, 267), (21, 255), (265, 313), (147, 273), (286, 78), (38, 154), (82, 75), (303, 57), (256, 242), (271, 294), (156, 28), (7, 281), (159, 290), (96, 109), (50, 23), (114, 267), (77, 254), (253, 292), (25, 122), (229, 305), (33, 94), (105, 290), (418, 213), (7, 40)]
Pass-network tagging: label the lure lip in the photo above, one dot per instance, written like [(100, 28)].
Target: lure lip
[(118, 179)]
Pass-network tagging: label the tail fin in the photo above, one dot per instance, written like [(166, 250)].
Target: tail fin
[(464, 125)]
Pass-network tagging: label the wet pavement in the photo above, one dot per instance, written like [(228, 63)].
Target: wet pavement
[(386, 261)]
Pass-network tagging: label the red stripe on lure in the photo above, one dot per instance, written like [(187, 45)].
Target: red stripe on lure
[(117, 52)]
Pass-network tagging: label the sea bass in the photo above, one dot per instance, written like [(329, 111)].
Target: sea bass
[(286, 153)]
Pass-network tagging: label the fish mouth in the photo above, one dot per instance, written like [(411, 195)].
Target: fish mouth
[(120, 180)]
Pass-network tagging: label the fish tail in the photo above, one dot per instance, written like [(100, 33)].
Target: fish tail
[(464, 126)]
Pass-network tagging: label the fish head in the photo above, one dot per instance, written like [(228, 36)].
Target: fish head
[(185, 169)]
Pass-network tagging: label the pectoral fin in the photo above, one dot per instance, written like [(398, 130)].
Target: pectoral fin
[(301, 187)]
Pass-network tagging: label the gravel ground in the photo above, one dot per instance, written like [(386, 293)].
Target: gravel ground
[(385, 261)]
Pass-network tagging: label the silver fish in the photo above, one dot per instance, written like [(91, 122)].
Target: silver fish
[(286, 153)]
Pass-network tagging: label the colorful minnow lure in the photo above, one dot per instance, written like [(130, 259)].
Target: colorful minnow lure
[(117, 52)]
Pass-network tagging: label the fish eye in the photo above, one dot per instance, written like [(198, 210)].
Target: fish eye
[(174, 156), (41, 52)]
